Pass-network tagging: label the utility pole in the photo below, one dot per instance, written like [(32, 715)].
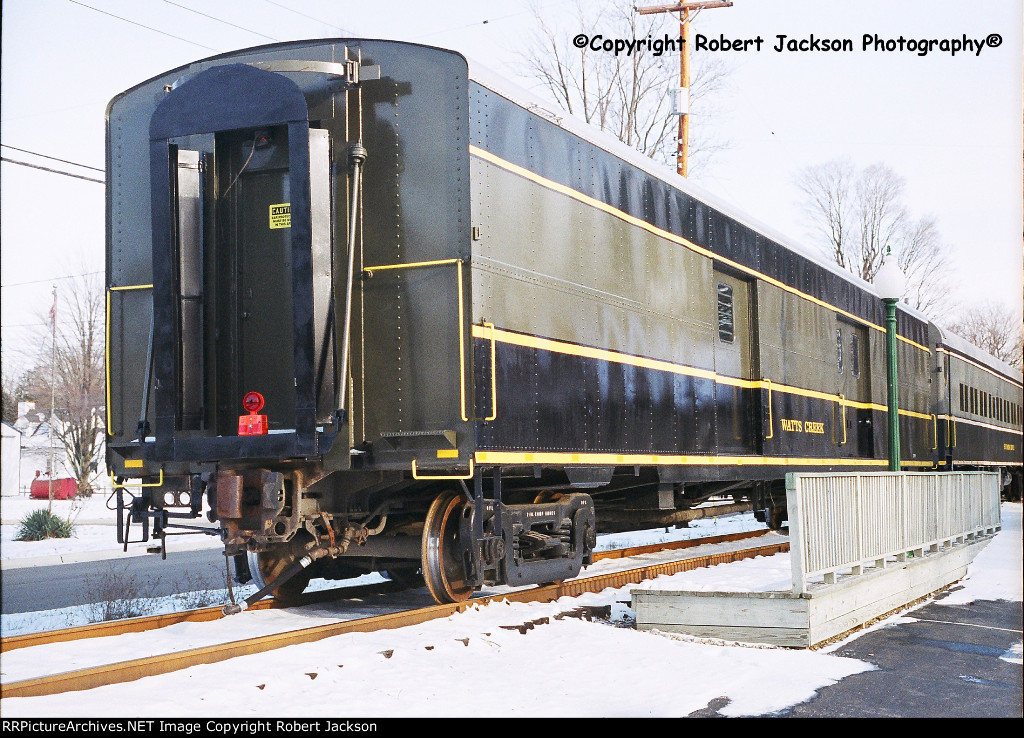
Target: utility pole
[(683, 103), (53, 389)]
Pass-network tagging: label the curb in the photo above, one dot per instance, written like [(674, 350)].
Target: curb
[(78, 557)]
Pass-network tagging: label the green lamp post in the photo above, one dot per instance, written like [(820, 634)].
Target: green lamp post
[(890, 284)]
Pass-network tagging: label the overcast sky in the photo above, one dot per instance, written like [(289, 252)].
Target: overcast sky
[(950, 125)]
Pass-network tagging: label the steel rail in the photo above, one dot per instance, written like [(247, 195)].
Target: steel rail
[(205, 614), (89, 678), (200, 615)]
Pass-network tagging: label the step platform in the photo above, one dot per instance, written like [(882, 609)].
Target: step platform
[(824, 611)]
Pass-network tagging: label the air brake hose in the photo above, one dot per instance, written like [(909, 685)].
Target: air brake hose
[(293, 569), (287, 574)]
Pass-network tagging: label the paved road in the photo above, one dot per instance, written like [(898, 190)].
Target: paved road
[(945, 665), (66, 585)]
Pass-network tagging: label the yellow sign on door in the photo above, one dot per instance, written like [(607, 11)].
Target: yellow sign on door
[(281, 215)]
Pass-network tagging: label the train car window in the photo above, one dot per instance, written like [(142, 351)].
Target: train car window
[(963, 400), (839, 351), (855, 356), (726, 326)]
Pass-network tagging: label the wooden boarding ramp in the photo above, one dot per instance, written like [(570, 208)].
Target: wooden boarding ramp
[(862, 545)]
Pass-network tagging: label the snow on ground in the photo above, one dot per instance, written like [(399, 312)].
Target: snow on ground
[(95, 531), (468, 664)]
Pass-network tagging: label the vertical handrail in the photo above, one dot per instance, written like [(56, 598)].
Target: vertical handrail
[(357, 155), (494, 374), (842, 404)]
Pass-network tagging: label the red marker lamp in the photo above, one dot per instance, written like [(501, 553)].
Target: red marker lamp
[(252, 424)]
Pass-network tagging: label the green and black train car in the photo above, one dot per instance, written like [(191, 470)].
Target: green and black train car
[(370, 308)]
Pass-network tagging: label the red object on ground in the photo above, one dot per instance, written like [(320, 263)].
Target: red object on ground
[(63, 489)]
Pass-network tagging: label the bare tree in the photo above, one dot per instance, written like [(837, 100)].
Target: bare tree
[(856, 216), (995, 329), (71, 371), (10, 399), (627, 95)]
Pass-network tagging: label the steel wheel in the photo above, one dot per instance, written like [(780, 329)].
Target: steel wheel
[(443, 569), (268, 565), (546, 495)]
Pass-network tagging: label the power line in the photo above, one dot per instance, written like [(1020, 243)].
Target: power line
[(48, 169), (227, 23), (318, 20), (54, 158), (148, 28), (484, 22), (52, 279)]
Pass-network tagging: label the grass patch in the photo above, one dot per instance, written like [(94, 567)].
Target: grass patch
[(41, 524)]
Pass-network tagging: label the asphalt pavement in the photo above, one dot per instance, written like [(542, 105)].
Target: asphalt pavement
[(948, 663), (52, 586)]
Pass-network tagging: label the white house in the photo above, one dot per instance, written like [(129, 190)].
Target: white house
[(10, 460)]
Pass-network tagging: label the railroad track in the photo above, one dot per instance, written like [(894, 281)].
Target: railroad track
[(125, 671)]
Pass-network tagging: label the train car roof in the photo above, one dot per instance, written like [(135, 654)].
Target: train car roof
[(517, 94), (968, 349)]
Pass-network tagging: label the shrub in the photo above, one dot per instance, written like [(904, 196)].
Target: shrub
[(41, 524), (119, 594)]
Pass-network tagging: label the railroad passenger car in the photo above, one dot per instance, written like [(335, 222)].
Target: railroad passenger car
[(383, 311)]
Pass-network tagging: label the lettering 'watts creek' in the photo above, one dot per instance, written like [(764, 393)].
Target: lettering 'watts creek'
[(802, 426)]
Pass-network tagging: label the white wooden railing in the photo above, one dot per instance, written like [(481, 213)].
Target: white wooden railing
[(842, 523)]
